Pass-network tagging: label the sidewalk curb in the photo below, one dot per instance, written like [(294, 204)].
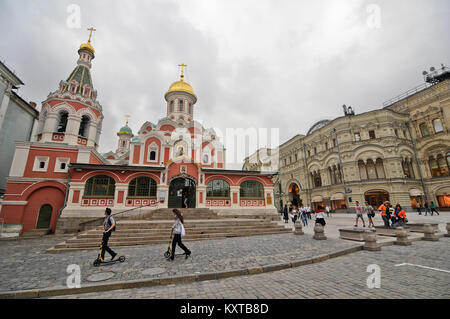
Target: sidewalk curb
[(140, 283)]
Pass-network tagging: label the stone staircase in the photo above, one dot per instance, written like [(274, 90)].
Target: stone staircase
[(200, 224)]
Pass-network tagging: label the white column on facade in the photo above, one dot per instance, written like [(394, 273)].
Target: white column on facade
[(33, 136), (162, 191), (235, 189), (72, 128), (268, 191), (120, 188), (50, 124), (92, 134), (200, 189)]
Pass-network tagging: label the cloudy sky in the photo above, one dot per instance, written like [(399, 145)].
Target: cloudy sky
[(275, 64)]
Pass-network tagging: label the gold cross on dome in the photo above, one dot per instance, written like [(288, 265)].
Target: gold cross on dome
[(182, 69), (127, 116), (91, 29)]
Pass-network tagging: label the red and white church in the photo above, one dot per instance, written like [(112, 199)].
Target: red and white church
[(173, 163)]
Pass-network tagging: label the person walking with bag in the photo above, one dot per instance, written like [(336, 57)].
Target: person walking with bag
[(179, 231)]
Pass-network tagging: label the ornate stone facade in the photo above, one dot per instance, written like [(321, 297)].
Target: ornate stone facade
[(400, 153)]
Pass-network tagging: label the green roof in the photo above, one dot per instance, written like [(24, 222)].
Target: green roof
[(82, 75)]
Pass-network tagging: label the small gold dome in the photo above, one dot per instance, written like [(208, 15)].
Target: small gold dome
[(181, 86), (88, 47)]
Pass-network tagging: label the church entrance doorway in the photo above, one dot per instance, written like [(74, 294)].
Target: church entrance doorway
[(180, 189)]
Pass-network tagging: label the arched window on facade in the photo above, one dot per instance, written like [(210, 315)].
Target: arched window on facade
[(218, 188), (251, 189), (434, 168), (362, 170), (371, 169), (62, 123), (437, 125), (317, 179), (443, 165), (142, 187), (408, 171), (100, 186), (84, 126), (180, 103), (171, 107), (380, 168), (424, 130)]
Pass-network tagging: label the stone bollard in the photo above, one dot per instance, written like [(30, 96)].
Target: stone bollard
[(429, 234), (448, 230), (319, 232), (402, 237), (370, 241), (298, 228)]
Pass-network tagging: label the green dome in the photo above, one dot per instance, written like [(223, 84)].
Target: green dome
[(135, 139), (125, 130)]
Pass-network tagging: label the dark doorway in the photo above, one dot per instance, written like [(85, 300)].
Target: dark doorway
[(179, 189), (376, 197), (45, 216)]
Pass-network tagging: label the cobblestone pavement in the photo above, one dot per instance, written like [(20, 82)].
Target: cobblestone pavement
[(24, 265), (342, 277)]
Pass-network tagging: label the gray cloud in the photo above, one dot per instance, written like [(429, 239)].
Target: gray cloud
[(284, 64)]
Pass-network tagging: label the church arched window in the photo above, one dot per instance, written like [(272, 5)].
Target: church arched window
[(100, 185), (218, 188), (62, 123), (251, 189), (180, 103), (142, 187), (84, 126)]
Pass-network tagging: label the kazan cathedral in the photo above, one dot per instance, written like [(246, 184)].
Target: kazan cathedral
[(173, 163)]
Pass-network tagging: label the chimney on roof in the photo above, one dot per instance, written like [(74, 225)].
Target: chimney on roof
[(33, 104)]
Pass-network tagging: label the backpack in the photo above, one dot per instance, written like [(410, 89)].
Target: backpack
[(110, 223)]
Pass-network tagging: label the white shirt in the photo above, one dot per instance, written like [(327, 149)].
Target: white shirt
[(177, 226)]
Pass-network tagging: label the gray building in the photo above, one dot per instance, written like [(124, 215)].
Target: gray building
[(17, 119)]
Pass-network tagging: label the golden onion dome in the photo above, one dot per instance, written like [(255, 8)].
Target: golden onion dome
[(181, 86), (88, 47)]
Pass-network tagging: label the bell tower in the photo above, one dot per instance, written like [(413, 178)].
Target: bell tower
[(72, 115)]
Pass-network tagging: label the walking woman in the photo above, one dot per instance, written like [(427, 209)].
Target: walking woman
[(178, 230)]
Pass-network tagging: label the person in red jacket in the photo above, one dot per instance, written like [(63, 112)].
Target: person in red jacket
[(399, 217), (385, 214)]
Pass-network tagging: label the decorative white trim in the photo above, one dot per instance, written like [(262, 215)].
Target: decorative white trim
[(38, 160), (13, 203), (59, 161)]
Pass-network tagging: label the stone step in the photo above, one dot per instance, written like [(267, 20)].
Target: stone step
[(112, 243), (132, 236), (166, 231), (122, 225)]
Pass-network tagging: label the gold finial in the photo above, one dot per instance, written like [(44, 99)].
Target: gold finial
[(91, 29), (127, 116), (182, 70)]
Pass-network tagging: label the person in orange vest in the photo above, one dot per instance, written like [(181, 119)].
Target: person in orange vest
[(385, 213), (399, 217)]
